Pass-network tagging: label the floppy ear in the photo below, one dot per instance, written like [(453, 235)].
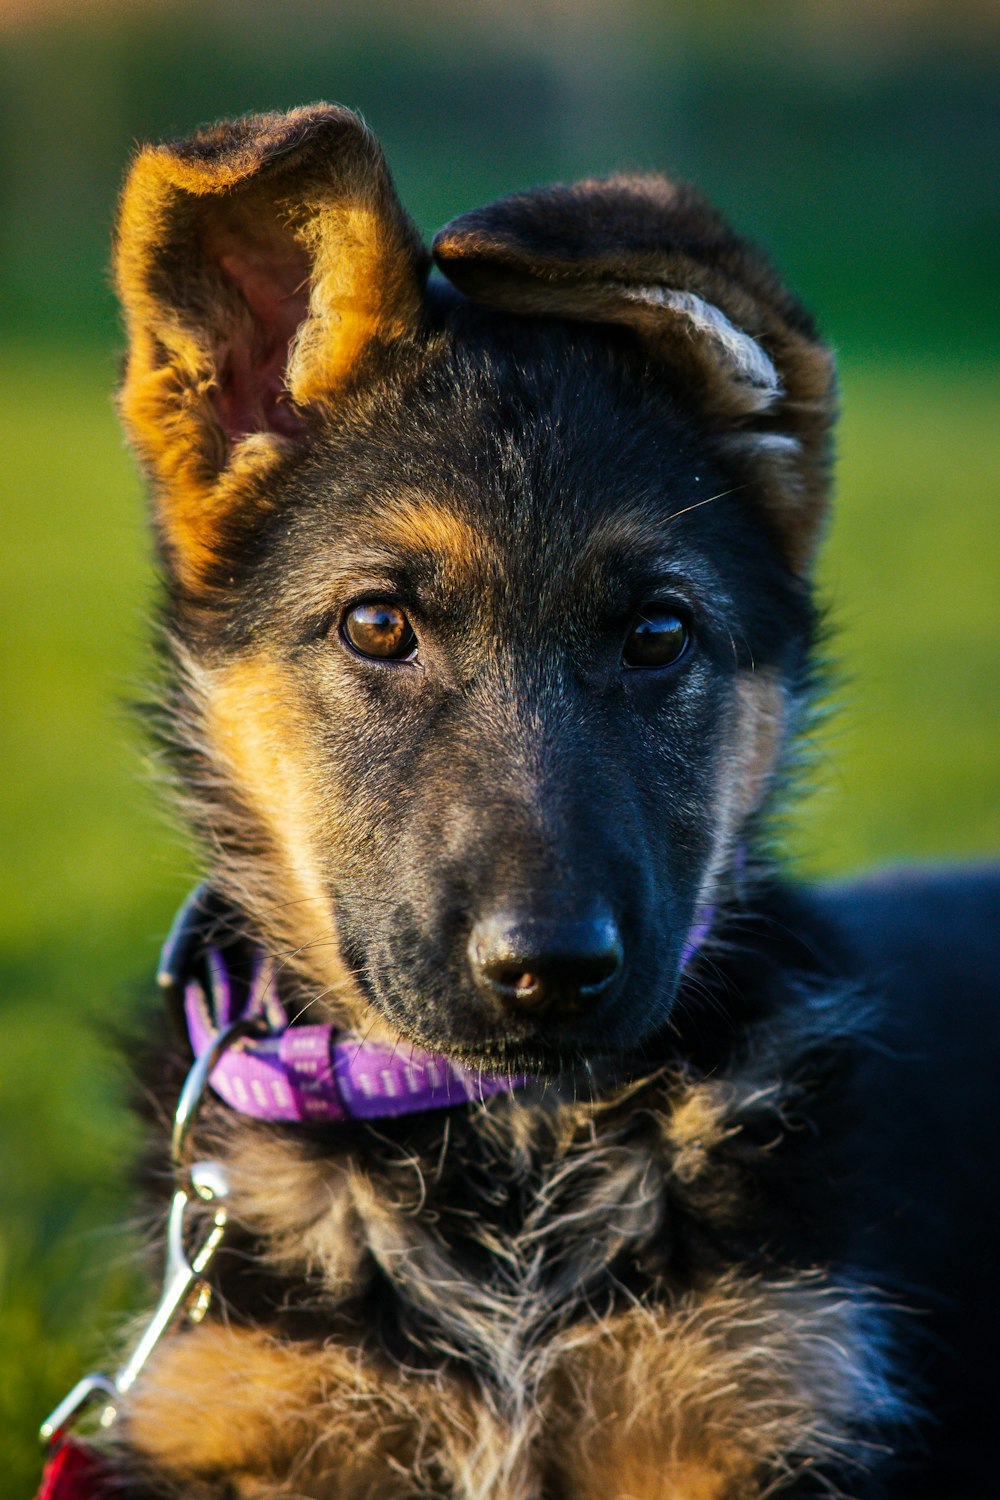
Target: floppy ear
[(256, 262), (653, 256)]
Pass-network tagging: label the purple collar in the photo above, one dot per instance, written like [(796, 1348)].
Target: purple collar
[(297, 1073), (311, 1073)]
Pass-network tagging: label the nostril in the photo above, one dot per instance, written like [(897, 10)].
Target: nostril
[(525, 989), (535, 963)]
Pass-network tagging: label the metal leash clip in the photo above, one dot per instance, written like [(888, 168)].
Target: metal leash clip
[(184, 1287)]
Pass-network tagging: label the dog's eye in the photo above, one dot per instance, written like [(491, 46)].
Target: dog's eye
[(379, 630), (658, 637)]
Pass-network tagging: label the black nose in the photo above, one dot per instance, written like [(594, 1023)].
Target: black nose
[(535, 963)]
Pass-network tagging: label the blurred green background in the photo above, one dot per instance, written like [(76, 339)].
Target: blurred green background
[(857, 141)]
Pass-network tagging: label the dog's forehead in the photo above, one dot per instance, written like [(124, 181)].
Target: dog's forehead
[(538, 452)]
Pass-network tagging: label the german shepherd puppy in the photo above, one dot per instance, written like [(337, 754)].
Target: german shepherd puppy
[(490, 628)]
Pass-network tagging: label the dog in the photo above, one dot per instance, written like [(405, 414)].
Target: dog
[(558, 1148)]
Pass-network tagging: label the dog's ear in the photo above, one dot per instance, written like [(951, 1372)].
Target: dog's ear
[(258, 263), (653, 256)]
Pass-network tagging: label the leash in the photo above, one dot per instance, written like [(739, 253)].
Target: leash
[(76, 1471), (222, 993)]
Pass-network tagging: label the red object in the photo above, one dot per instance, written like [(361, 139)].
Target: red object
[(75, 1471)]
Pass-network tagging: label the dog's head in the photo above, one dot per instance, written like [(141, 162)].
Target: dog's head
[(488, 595)]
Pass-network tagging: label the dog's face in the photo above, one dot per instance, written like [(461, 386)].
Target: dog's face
[(489, 603)]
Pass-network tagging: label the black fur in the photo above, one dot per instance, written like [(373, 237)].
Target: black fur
[(619, 410), (926, 1222)]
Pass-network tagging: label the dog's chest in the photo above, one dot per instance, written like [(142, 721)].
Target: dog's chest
[(460, 1319), (534, 1225), (480, 1239)]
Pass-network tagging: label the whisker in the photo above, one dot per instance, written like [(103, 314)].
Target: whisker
[(708, 501)]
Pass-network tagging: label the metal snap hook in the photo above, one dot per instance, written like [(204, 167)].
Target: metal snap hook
[(196, 1083), (182, 1281), (184, 1288)]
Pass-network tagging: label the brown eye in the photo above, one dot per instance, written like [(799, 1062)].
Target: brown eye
[(379, 630), (658, 637)]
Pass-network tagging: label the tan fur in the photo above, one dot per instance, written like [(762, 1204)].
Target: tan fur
[(320, 1422), (302, 1206), (254, 724), (424, 525), (694, 1400), (290, 220), (363, 285), (696, 1123), (762, 720), (308, 1419), (699, 1400), (756, 741)]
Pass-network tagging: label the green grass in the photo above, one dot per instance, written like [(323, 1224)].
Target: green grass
[(908, 766), (91, 874)]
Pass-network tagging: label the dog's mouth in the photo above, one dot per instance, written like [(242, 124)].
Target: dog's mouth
[(426, 1011), (501, 1056)]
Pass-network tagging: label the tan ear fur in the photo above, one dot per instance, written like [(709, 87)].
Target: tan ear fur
[(651, 255), (256, 263)]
